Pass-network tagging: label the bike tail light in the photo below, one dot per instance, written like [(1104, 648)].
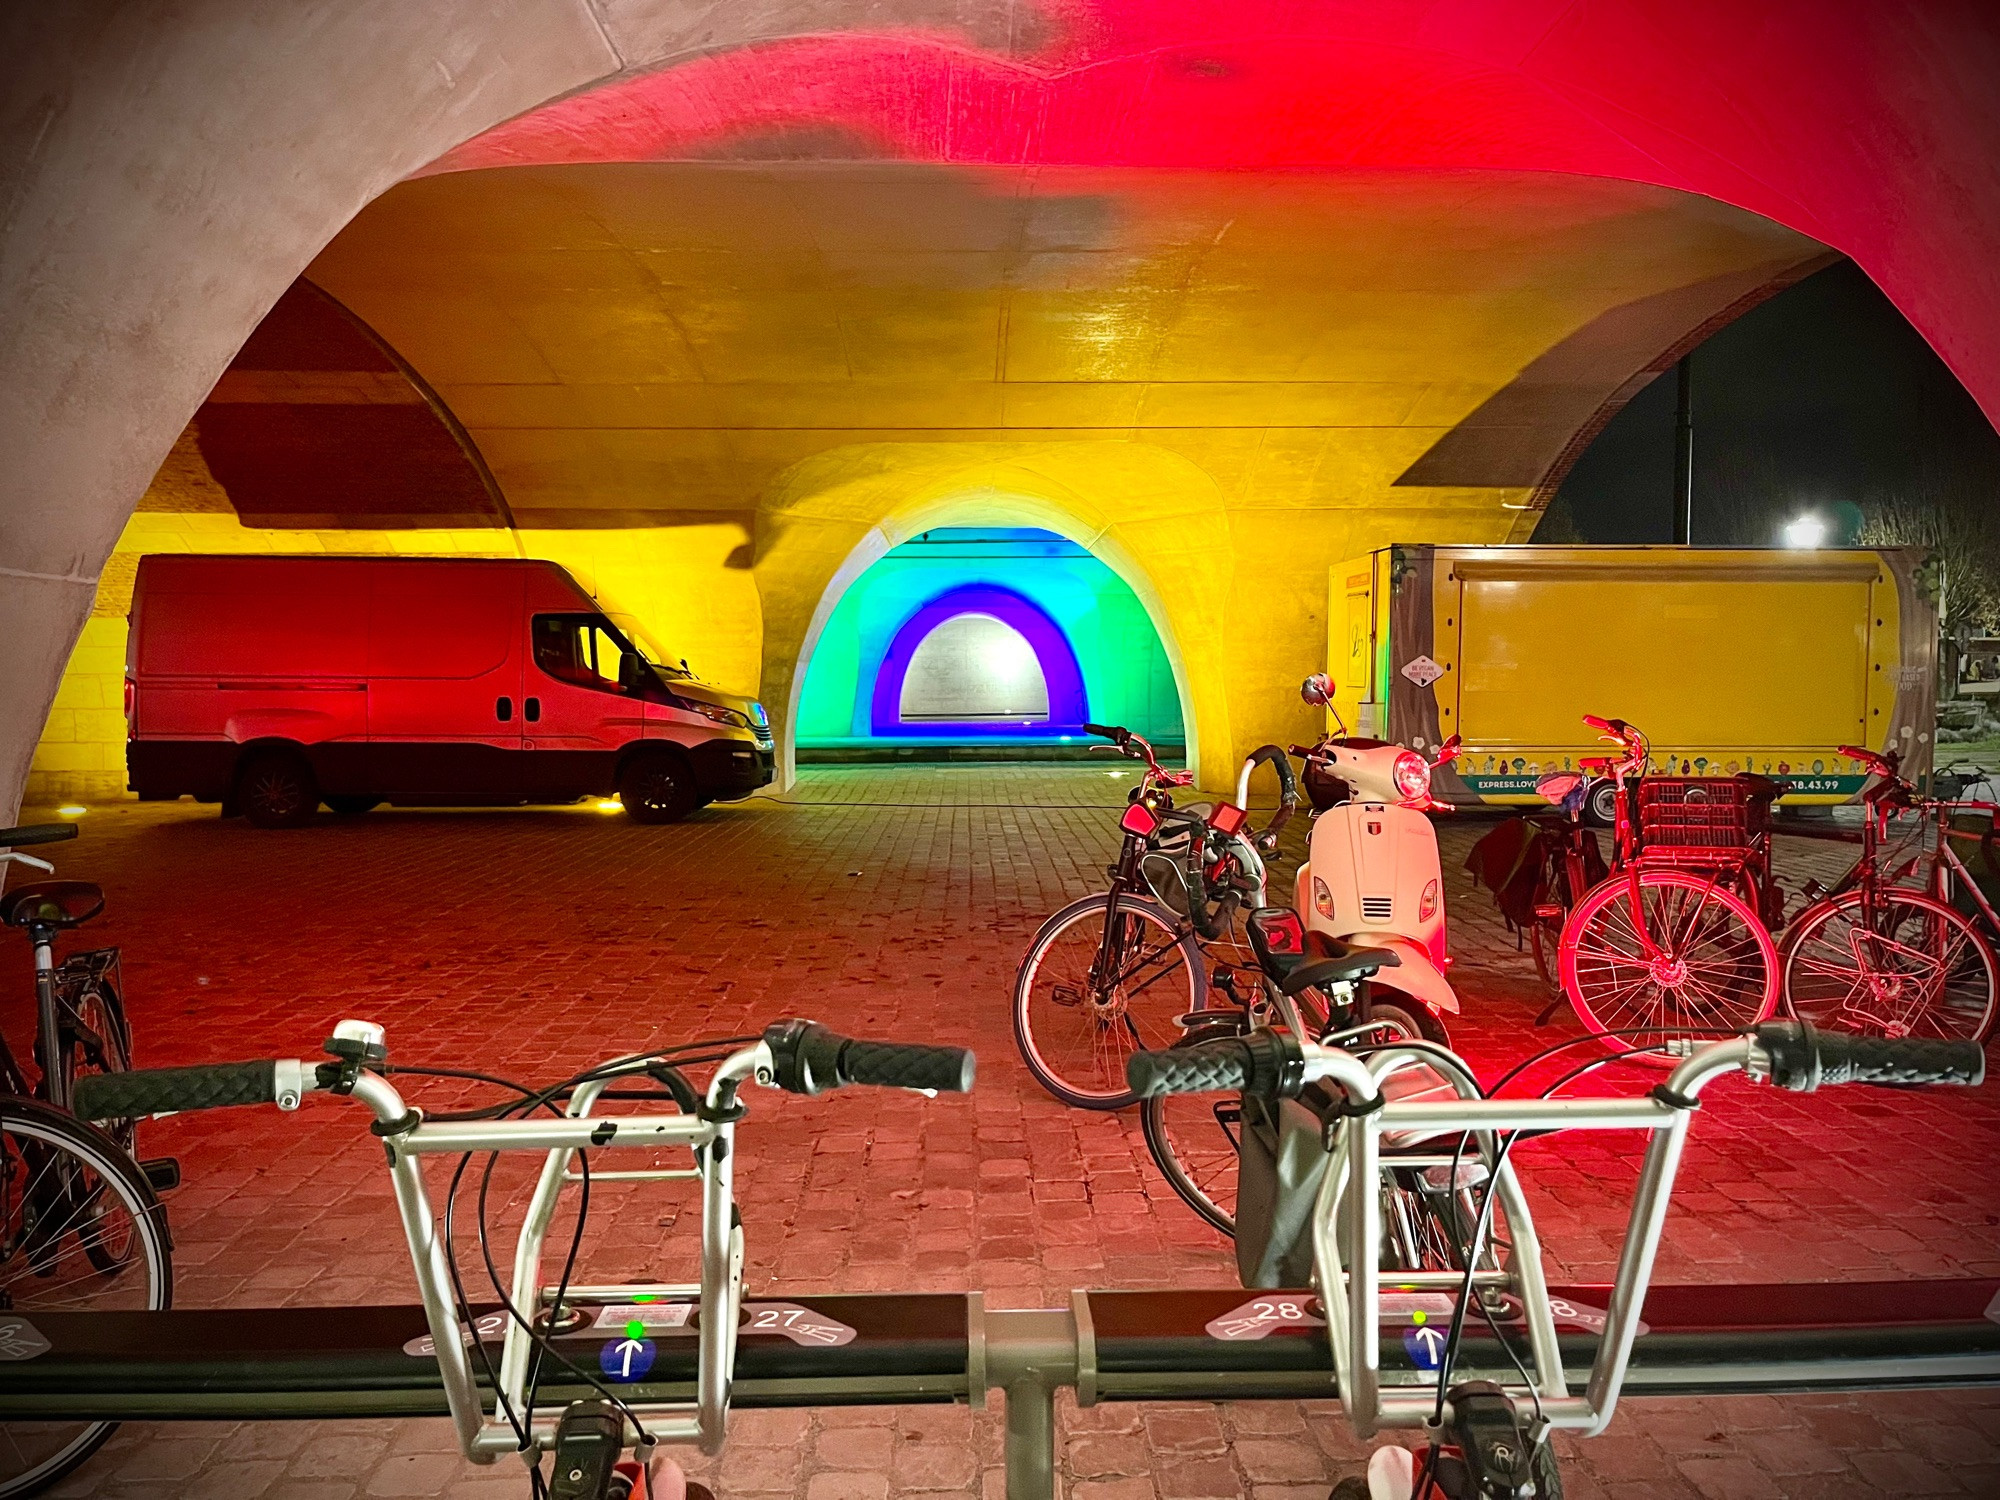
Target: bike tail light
[(1139, 819), (1227, 818), (1322, 898), (1413, 776), (1427, 905)]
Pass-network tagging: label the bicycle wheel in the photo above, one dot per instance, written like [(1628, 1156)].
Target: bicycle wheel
[(1663, 955), (1082, 1006), (92, 1036), (1917, 967), (1194, 1140), (80, 1231)]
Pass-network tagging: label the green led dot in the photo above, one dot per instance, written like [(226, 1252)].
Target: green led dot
[(1418, 1318), (645, 1297), (635, 1329)]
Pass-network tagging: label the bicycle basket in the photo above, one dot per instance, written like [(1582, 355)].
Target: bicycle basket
[(1700, 812)]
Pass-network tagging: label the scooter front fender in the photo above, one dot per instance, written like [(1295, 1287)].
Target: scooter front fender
[(1417, 976)]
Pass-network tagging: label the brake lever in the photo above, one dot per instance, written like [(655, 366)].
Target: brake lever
[(28, 859)]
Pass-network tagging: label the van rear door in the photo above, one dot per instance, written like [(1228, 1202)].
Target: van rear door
[(444, 680)]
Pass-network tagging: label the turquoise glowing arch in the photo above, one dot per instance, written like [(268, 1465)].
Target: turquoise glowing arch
[(1095, 643)]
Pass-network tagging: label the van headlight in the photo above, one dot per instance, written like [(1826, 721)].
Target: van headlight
[(718, 713)]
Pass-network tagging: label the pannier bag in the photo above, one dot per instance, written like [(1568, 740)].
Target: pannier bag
[(1279, 1167)]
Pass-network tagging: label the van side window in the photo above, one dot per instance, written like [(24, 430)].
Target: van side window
[(578, 649)]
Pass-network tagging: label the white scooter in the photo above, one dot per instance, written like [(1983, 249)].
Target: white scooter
[(1373, 879)]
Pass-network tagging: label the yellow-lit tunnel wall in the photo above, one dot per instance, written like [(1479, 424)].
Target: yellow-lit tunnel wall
[(1236, 593)]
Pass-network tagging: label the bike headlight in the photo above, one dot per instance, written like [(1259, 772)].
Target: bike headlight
[(718, 713)]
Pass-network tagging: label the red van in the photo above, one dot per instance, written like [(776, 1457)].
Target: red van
[(272, 684)]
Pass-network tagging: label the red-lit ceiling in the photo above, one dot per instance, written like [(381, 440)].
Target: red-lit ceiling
[(1870, 125)]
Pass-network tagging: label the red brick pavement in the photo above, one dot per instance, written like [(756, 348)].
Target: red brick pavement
[(897, 902)]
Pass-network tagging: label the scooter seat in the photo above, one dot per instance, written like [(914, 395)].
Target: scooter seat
[(1342, 968)]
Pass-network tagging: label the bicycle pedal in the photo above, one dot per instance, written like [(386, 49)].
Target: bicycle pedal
[(162, 1173), (1064, 996), (1550, 913)]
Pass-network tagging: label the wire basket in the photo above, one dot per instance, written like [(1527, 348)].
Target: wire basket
[(1700, 812)]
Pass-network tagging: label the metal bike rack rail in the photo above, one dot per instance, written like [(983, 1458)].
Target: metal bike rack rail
[(893, 1349)]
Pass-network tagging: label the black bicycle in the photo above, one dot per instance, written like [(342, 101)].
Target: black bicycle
[(81, 1227), (1115, 973)]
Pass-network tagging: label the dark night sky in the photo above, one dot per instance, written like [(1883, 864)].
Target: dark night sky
[(1817, 399)]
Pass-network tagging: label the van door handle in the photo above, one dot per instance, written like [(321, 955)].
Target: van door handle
[(533, 706), (503, 709)]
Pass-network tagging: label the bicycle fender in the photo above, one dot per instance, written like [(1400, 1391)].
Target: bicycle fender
[(1418, 977)]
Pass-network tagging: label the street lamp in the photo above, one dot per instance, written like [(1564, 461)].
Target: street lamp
[(1804, 532)]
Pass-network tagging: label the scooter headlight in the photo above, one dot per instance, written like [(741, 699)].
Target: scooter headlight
[(1413, 777)]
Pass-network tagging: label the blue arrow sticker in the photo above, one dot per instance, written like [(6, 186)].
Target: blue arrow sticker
[(1426, 1347), (627, 1358)]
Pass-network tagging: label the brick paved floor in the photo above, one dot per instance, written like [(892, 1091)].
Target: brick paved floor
[(896, 901)]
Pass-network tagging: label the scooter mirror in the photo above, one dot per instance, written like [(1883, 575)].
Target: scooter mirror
[(1317, 690), (1448, 751)]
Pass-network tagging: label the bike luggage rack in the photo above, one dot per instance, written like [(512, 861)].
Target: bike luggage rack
[(243, 1364)]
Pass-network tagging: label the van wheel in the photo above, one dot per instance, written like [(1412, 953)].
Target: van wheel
[(657, 789), (277, 789), (353, 807), (1600, 803)]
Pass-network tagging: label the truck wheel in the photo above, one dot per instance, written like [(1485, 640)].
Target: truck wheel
[(353, 807), (657, 789), (277, 789), (1600, 803)]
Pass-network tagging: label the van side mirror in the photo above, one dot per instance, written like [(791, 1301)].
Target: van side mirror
[(1317, 690), (631, 670)]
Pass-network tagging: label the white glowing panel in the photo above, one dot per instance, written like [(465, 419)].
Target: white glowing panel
[(974, 668)]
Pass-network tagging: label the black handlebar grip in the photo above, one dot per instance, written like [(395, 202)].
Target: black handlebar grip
[(1265, 1063), (808, 1059), (154, 1091), (1804, 1059), (1111, 732), (1220, 1066), (907, 1065), (36, 833)]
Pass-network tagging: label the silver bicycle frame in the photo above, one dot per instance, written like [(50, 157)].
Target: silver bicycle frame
[(1347, 1229), (485, 1435)]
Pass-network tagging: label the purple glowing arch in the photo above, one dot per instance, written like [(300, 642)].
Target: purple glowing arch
[(1068, 708)]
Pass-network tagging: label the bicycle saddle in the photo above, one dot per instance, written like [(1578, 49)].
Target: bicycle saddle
[(51, 903), (1342, 968)]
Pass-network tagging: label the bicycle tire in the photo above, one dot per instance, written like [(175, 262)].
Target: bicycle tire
[(93, 1036), (1815, 946), (45, 1153), (1108, 1032), (1718, 974)]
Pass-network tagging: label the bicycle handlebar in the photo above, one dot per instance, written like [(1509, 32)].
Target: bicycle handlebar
[(1804, 1058), (1116, 733), (36, 833), (808, 1059), (158, 1091), (1288, 787), (1266, 1063)]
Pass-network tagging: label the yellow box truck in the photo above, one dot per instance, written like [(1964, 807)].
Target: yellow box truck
[(1730, 661)]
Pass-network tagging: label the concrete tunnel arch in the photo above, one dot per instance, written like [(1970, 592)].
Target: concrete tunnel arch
[(154, 218)]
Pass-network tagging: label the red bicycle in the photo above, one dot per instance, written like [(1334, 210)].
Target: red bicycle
[(1672, 946), (1878, 956)]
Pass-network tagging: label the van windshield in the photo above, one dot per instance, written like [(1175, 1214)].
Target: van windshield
[(670, 667)]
